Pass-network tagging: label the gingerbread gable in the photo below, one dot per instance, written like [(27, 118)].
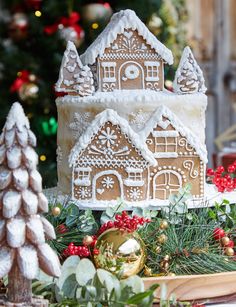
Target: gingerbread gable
[(110, 116), (164, 118)]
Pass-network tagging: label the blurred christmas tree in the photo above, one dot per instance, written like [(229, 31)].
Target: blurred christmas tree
[(33, 35)]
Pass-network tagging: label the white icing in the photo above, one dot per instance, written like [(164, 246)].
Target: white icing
[(28, 261), (15, 232), (168, 133), (135, 194), (80, 123), (119, 23), (110, 116), (189, 165), (165, 155), (157, 119), (133, 183), (138, 119), (6, 260), (188, 77)]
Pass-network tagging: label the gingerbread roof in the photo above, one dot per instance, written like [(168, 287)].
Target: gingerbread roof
[(121, 21), (157, 120), (110, 116)]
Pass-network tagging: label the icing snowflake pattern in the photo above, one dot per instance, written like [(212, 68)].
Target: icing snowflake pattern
[(108, 182), (80, 123), (107, 137), (139, 119), (135, 194), (84, 192)]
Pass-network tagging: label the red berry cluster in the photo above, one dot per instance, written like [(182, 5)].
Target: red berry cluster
[(223, 180), (124, 222), (81, 251), (61, 229)]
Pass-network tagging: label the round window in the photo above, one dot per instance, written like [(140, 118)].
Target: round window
[(131, 72)]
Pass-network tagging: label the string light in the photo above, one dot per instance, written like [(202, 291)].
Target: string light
[(95, 25), (42, 158), (37, 13)]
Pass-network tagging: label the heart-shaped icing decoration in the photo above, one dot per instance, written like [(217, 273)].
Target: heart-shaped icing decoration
[(100, 191), (128, 34)]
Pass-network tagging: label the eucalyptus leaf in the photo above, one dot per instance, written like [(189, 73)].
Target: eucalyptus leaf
[(135, 282), (69, 286), (109, 280), (85, 272), (70, 262)]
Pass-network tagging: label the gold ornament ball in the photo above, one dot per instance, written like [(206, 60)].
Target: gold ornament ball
[(162, 239), (121, 252), (229, 251), (164, 265), (158, 249), (164, 225), (88, 240), (56, 211), (166, 258), (225, 241), (28, 91), (171, 274), (147, 271)]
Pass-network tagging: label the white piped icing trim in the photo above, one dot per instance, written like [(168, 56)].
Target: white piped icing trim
[(102, 118), (156, 119), (120, 22)]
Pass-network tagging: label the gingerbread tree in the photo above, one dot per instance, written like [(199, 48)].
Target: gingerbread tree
[(74, 78), (85, 83), (189, 77), (23, 230)]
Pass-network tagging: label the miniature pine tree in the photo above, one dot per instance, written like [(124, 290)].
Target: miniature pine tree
[(85, 83), (189, 77), (23, 229), (69, 71)]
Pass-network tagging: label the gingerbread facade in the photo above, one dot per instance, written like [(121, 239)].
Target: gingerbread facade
[(127, 56)]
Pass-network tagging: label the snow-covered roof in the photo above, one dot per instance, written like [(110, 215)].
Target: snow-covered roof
[(124, 19), (102, 118), (157, 119)]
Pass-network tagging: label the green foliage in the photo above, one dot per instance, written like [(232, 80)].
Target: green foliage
[(81, 285), (77, 222), (190, 242)]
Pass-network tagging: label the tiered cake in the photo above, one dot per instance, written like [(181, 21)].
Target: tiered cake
[(120, 133)]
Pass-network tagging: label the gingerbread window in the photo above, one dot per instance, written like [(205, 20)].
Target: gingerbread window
[(152, 70), (109, 71), (165, 144), (82, 176), (135, 177)]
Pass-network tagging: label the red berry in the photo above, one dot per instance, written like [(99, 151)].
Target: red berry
[(96, 251), (218, 233), (230, 244), (210, 172), (220, 169)]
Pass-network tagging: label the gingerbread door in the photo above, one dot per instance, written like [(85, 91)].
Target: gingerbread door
[(165, 183), (131, 76), (107, 185)]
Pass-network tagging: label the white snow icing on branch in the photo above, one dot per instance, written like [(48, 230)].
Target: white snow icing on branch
[(28, 261), (48, 260), (110, 116), (189, 76), (124, 19), (157, 120), (7, 256)]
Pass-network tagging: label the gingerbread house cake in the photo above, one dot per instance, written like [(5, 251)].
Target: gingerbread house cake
[(121, 134)]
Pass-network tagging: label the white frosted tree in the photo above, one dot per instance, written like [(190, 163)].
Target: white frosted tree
[(74, 78), (85, 82), (189, 77), (23, 229), (69, 70)]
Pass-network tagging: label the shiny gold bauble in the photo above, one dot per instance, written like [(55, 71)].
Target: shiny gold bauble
[(166, 258), (164, 265), (225, 241), (87, 240), (158, 249), (28, 91), (56, 211), (164, 224), (229, 251), (147, 271), (162, 239), (171, 274), (120, 252)]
